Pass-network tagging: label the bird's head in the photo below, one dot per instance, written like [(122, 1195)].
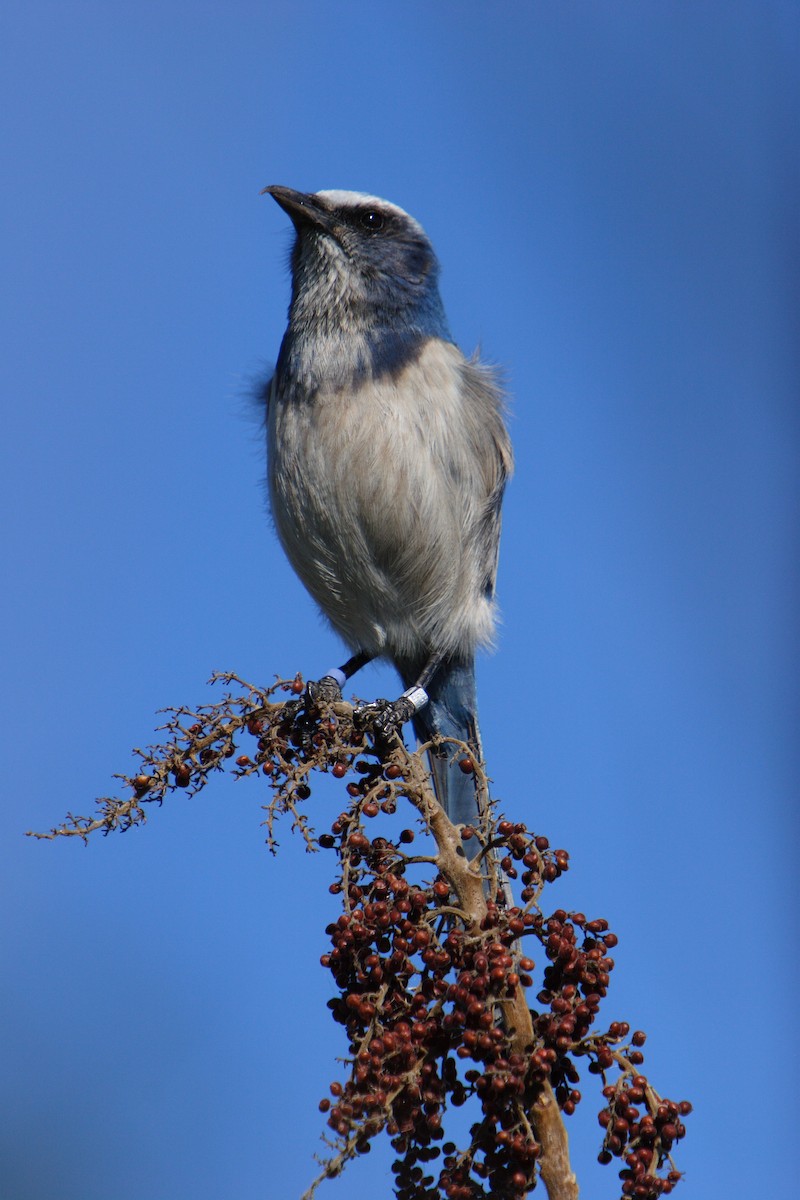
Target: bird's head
[(358, 261)]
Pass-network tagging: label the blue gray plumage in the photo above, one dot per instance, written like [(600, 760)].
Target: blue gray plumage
[(387, 461)]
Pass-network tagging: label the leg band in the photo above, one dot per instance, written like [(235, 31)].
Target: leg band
[(416, 696)]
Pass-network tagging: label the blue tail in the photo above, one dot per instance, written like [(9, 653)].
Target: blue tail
[(452, 711)]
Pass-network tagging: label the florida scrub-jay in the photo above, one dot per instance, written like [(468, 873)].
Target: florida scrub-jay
[(387, 461)]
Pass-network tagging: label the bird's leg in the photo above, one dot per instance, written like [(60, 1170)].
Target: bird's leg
[(386, 717), (329, 687), (326, 690), (428, 672)]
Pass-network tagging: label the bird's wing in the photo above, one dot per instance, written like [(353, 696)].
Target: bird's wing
[(484, 408)]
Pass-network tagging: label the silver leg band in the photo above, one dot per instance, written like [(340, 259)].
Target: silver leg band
[(416, 696)]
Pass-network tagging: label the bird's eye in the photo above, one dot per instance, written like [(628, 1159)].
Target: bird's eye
[(371, 220)]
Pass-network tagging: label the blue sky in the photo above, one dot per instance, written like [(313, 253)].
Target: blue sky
[(612, 192)]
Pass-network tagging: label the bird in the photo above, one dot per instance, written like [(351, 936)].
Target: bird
[(387, 460)]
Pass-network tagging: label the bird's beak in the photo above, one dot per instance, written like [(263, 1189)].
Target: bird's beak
[(302, 207)]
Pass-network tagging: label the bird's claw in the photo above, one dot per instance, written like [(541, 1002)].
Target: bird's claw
[(291, 711), (323, 691), (303, 713), (384, 718)]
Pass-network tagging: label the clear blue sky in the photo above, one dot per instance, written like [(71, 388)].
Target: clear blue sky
[(612, 189)]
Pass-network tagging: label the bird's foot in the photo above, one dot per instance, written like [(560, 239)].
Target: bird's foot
[(304, 713), (326, 690), (385, 718)]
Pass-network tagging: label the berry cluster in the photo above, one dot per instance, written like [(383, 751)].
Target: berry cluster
[(427, 956), (575, 982), (642, 1139), (426, 996), (420, 994)]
